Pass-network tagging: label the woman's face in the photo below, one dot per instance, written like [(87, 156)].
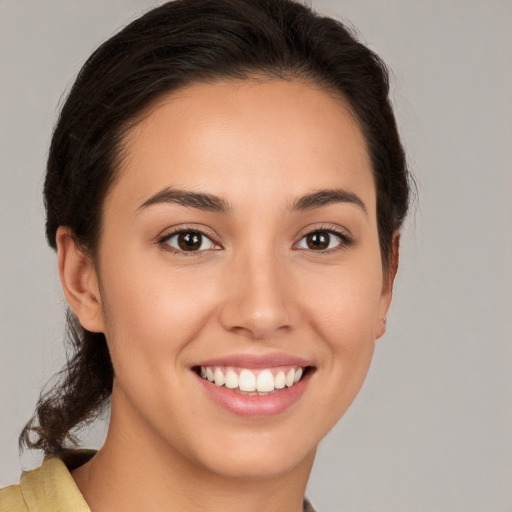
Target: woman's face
[(240, 241)]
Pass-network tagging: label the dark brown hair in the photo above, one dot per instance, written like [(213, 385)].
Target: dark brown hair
[(174, 45)]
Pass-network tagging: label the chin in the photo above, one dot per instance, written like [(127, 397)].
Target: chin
[(260, 465), (248, 454)]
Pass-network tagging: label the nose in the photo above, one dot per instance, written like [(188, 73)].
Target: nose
[(258, 303)]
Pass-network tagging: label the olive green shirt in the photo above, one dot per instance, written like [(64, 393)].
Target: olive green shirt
[(51, 488)]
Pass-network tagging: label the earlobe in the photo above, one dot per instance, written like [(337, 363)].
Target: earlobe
[(387, 288), (79, 281)]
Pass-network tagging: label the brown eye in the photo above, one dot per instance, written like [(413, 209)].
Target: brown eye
[(189, 241), (320, 241)]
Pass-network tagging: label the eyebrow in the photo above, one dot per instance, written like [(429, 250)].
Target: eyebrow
[(212, 203), (198, 200), (326, 197)]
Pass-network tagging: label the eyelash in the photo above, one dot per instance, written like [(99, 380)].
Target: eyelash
[(164, 241), (346, 240)]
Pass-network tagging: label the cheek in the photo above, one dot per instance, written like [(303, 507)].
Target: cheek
[(344, 305), (152, 315), (152, 312), (346, 323), (344, 308)]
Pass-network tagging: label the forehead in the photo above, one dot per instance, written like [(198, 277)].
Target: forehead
[(246, 138)]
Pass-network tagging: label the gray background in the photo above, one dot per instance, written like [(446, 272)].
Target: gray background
[(431, 428)]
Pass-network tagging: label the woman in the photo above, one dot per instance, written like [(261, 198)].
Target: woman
[(225, 189)]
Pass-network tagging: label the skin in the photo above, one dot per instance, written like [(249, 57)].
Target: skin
[(257, 289)]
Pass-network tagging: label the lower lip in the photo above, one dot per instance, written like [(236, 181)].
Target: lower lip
[(256, 406)]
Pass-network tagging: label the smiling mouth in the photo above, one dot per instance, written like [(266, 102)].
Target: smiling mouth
[(262, 381)]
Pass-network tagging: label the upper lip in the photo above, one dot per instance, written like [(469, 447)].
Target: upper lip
[(256, 361)]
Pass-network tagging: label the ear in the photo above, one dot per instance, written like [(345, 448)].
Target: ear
[(387, 287), (79, 281)]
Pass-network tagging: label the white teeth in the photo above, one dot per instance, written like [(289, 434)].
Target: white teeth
[(290, 376), (250, 382), (231, 379), (247, 381), (219, 377), (280, 380), (265, 381)]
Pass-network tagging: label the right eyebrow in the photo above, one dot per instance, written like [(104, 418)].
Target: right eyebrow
[(199, 200)]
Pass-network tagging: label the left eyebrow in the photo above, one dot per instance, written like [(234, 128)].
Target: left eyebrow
[(325, 197)]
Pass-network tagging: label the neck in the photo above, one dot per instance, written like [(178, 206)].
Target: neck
[(136, 470)]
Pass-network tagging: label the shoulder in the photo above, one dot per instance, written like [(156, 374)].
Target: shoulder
[(11, 499), (46, 489)]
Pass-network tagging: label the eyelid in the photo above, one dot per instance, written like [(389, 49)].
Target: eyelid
[(347, 239), (168, 233)]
